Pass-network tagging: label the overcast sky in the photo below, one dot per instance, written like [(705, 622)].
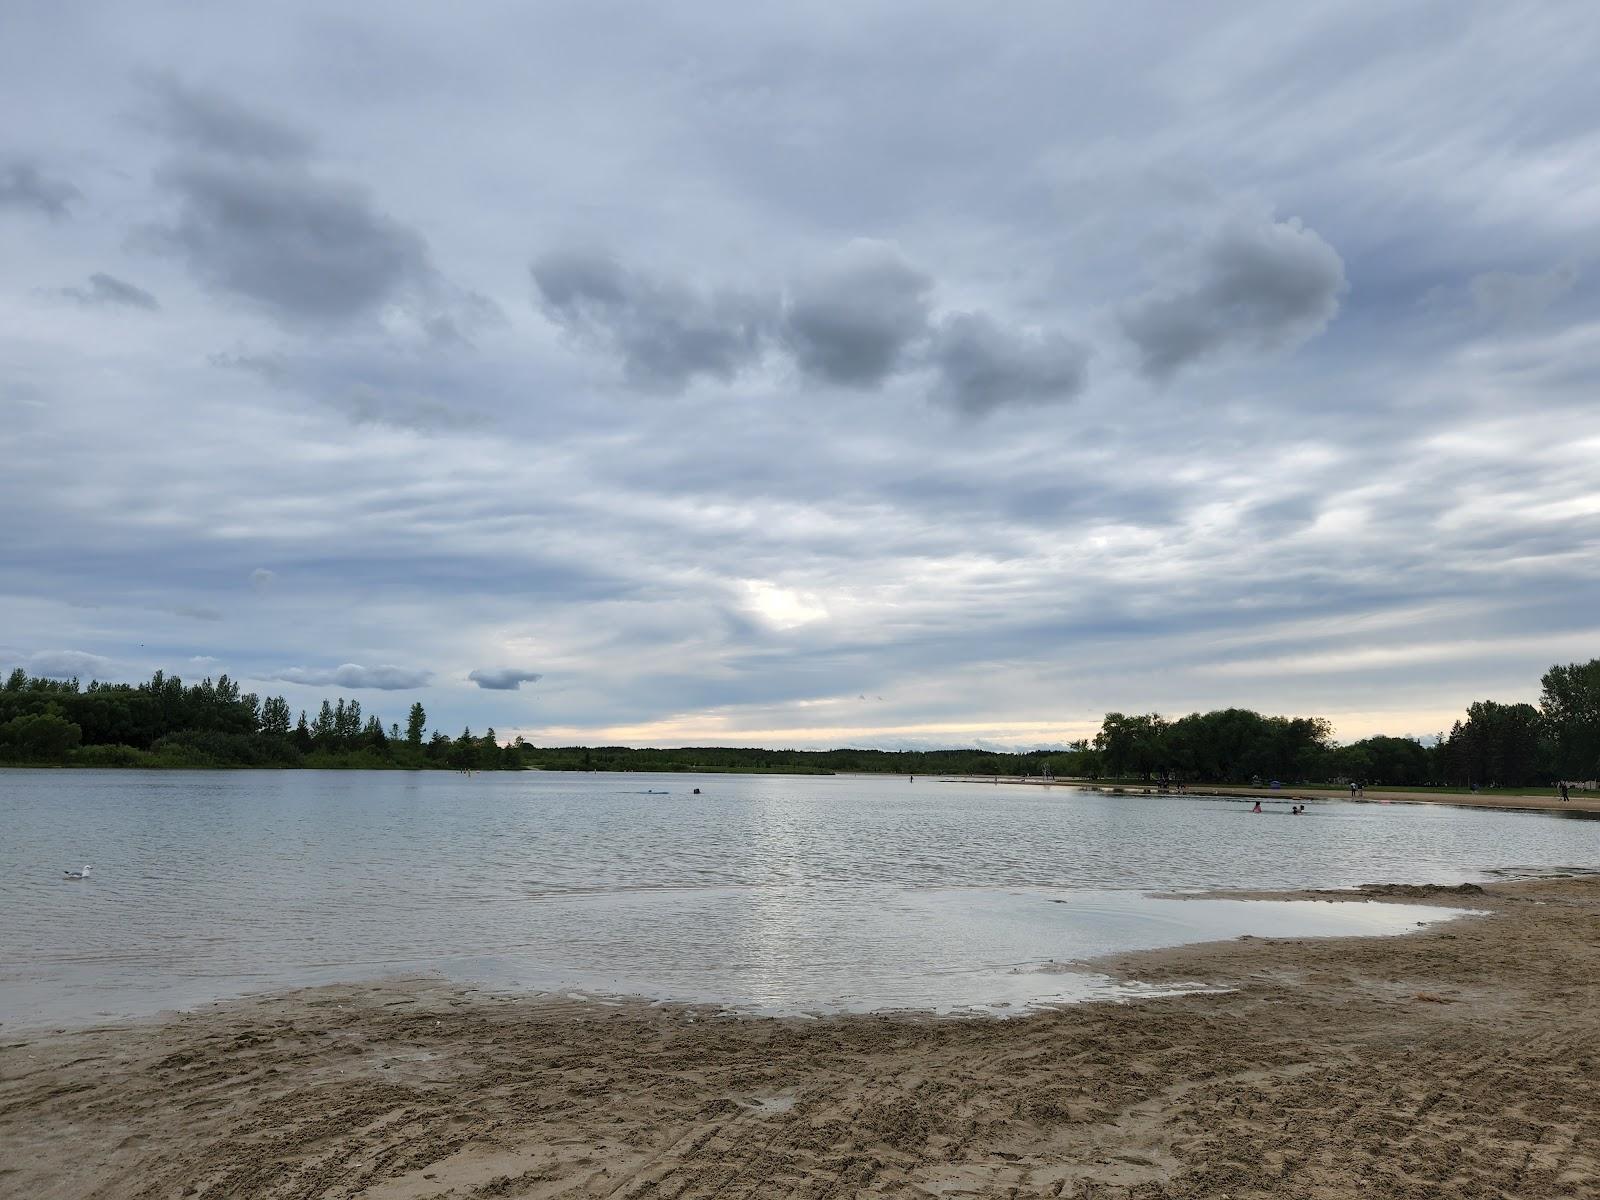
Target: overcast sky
[(878, 374)]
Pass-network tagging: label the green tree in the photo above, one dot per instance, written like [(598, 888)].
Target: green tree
[(1569, 702), (416, 723), (43, 736)]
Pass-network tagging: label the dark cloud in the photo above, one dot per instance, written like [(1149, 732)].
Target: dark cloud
[(850, 322), (1250, 284), (502, 679), (24, 186), (108, 289), (665, 333), (354, 675), (216, 124), (982, 367), (309, 250)]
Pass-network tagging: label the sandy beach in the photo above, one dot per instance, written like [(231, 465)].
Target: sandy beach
[(1460, 1061), (1582, 802)]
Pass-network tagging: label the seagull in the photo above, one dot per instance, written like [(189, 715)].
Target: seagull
[(83, 874)]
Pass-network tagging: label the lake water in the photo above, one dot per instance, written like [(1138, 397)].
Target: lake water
[(769, 893)]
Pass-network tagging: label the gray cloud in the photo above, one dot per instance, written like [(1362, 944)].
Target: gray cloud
[(354, 675), (982, 367), (24, 186), (1508, 296), (665, 333), (108, 289), (851, 321), (261, 578), (502, 679), (198, 612), (1250, 284), (211, 122), (306, 249), (68, 664)]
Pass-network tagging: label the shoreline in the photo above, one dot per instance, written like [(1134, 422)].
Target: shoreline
[(1585, 803), (1459, 1060)]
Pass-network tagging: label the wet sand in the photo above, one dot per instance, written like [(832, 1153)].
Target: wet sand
[(1459, 1061)]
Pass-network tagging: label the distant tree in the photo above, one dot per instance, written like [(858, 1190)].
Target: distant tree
[(1498, 744), (325, 729), (416, 723), (301, 737), (1132, 744), (275, 716), (1569, 702), (43, 736), (347, 720)]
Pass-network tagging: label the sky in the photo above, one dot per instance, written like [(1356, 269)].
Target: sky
[(880, 374)]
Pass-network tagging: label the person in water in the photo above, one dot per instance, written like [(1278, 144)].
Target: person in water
[(1257, 808)]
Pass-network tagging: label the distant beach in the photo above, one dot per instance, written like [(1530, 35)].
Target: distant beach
[(1528, 801)]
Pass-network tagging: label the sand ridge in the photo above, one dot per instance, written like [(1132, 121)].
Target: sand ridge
[(1460, 1061)]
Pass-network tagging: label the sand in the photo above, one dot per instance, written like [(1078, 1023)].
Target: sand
[(1578, 802), (1459, 1061)]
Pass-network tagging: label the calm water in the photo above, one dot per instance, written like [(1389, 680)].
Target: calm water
[(774, 893)]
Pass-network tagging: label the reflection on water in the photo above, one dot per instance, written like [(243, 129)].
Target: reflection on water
[(776, 893)]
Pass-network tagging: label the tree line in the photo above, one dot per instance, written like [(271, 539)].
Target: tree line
[(163, 723), (211, 723), (1494, 745)]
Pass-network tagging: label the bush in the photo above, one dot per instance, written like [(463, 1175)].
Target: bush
[(40, 737), (109, 756)]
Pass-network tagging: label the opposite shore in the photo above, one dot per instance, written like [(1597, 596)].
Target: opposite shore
[(1456, 1061), (1583, 802)]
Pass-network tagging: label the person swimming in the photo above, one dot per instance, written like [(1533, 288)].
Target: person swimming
[(1257, 808)]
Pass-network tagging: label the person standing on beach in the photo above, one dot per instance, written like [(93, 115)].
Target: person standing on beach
[(1564, 796)]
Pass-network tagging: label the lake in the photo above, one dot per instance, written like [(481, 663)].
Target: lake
[(782, 894)]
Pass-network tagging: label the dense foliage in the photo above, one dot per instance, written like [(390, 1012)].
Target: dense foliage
[(164, 723), (212, 724)]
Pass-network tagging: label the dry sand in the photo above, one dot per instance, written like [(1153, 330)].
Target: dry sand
[(1459, 1061)]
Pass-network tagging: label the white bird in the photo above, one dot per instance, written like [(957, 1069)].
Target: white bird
[(83, 874)]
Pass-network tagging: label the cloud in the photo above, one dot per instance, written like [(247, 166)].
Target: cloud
[(211, 122), (354, 675), (850, 321), (106, 289), (1250, 284), (24, 186), (1507, 296), (67, 664), (197, 612), (982, 367), (261, 578), (257, 218), (307, 250), (665, 333), (503, 679)]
